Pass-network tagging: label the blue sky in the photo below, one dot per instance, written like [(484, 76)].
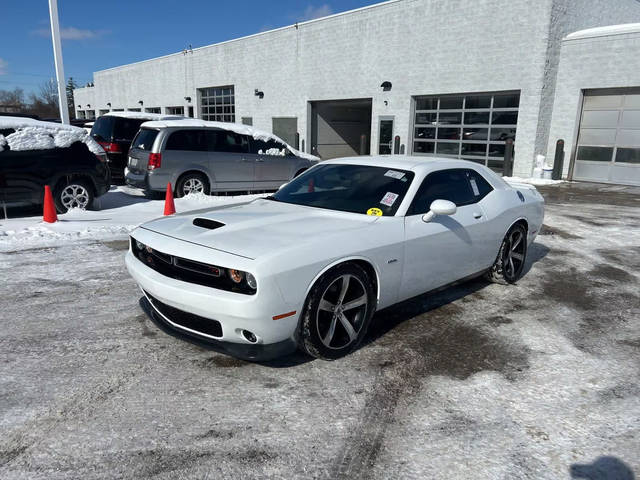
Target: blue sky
[(104, 34)]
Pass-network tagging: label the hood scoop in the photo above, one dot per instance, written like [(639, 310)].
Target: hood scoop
[(206, 223)]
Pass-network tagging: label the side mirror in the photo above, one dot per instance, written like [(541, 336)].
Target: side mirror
[(439, 207)]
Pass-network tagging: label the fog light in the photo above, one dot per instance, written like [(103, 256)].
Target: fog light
[(251, 281), (249, 336), (236, 275)]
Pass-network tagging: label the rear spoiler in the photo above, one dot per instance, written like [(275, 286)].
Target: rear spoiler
[(520, 186)]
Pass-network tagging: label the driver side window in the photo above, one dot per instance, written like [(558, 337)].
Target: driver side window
[(449, 185)]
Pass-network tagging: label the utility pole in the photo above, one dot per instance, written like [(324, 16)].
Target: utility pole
[(57, 55)]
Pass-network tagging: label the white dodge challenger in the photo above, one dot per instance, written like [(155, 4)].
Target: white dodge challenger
[(308, 266)]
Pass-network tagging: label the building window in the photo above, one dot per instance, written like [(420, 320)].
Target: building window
[(175, 110), (152, 110), (218, 104), (472, 127), (133, 110), (103, 112), (81, 114), (90, 114)]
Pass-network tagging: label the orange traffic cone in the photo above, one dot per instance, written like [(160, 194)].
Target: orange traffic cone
[(169, 206), (49, 215)]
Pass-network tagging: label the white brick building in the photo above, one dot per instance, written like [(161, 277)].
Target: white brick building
[(460, 77)]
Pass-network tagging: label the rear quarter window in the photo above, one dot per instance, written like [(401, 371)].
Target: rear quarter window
[(145, 138), (102, 129), (126, 128), (188, 140)]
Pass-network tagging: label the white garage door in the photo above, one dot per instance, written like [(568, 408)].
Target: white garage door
[(609, 139)]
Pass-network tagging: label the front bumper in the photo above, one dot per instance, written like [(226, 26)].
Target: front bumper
[(234, 312)]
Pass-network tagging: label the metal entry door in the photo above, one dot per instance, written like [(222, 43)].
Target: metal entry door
[(608, 148)]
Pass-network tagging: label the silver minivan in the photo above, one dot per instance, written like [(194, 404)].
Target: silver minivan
[(208, 157)]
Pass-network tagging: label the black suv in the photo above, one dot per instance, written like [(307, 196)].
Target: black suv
[(115, 132), (34, 154)]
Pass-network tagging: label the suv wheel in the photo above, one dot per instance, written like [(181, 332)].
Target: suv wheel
[(192, 183), (73, 194)]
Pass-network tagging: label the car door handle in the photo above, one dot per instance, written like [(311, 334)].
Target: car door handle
[(477, 215)]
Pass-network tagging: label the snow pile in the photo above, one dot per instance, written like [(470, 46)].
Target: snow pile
[(33, 134), (117, 213), (232, 127), (533, 181)]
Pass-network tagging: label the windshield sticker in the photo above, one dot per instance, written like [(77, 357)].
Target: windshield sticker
[(394, 174), (389, 199), (474, 186), (374, 212)]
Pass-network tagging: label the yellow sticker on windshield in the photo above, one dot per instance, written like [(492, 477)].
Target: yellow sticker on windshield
[(376, 212)]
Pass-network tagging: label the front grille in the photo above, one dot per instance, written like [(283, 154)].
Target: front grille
[(188, 271), (187, 320)]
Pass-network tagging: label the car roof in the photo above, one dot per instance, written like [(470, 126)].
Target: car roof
[(418, 164), (143, 116), (7, 122)]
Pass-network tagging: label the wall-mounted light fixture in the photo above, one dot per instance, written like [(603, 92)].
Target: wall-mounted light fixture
[(188, 99), (259, 94), (88, 105), (386, 86), (79, 107), (108, 104), (140, 102)]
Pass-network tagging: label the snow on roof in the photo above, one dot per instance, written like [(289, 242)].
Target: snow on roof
[(604, 31), (233, 127), (33, 134), (144, 115)]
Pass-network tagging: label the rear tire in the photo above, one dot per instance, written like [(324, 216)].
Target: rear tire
[(511, 258), (192, 183), (337, 312)]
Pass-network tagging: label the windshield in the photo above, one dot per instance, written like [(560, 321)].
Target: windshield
[(348, 188), (145, 138)]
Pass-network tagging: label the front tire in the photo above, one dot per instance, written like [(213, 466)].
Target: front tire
[(192, 183), (338, 312), (511, 258), (73, 194)]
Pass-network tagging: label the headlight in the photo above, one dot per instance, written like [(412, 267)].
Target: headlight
[(251, 281), (236, 275), (139, 245)]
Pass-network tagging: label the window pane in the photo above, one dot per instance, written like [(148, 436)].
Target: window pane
[(497, 165), (447, 148), (450, 103), (427, 103), (506, 101), (595, 154), (426, 118), (471, 118), (423, 147), (496, 151), (503, 133), (425, 132), (480, 161), (449, 133), (450, 118), (505, 118), (474, 149), (628, 155), (475, 134), (478, 101)]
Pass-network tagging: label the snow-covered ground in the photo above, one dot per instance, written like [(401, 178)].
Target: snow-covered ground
[(533, 181), (116, 214)]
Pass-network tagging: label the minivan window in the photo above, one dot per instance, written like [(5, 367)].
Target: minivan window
[(190, 140), (145, 138), (102, 129), (231, 142), (268, 148)]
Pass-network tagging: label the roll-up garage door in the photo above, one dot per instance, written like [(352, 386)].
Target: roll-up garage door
[(608, 147)]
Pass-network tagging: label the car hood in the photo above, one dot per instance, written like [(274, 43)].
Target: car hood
[(259, 228)]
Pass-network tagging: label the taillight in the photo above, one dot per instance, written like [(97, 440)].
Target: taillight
[(155, 161), (110, 147)]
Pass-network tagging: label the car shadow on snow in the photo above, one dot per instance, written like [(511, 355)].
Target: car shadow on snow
[(116, 198)]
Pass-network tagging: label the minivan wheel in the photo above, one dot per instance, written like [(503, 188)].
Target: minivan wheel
[(192, 183), (73, 194)]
